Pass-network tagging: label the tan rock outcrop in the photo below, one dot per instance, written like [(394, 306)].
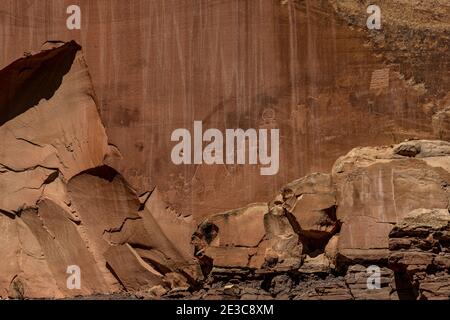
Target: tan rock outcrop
[(377, 187), (306, 67), (251, 238), (312, 202), (232, 239), (133, 272), (62, 207), (350, 226), (68, 197)]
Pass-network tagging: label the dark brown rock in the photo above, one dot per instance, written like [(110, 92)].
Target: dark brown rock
[(422, 260)]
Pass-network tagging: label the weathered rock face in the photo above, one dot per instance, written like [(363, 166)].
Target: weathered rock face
[(60, 206), (377, 187), (310, 68), (441, 124), (382, 211), (311, 203), (249, 239), (69, 198), (420, 253)]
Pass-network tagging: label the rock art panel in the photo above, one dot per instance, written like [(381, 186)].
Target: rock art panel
[(309, 68)]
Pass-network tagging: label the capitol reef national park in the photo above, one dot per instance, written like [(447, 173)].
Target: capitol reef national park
[(225, 149)]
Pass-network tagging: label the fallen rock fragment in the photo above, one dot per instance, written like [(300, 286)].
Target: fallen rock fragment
[(134, 274), (232, 239)]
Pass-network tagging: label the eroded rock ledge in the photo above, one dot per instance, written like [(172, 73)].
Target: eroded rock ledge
[(62, 203), (382, 206)]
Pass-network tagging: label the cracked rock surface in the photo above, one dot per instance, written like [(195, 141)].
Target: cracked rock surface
[(61, 205), (308, 67), (72, 195), (381, 207)]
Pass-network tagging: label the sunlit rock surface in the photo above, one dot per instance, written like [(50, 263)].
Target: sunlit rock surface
[(86, 178), (310, 68), (60, 206)]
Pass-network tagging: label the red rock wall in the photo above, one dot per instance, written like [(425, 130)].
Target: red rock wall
[(293, 65)]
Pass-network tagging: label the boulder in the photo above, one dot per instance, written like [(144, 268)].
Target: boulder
[(317, 264), (249, 238), (378, 186), (312, 202), (133, 272)]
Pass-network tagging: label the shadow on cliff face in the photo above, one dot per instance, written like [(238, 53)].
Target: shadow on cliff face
[(103, 172), (29, 80)]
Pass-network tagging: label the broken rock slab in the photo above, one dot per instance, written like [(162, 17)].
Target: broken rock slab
[(251, 238), (51, 130), (310, 205), (378, 186), (441, 124), (134, 273), (363, 288), (232, 239)]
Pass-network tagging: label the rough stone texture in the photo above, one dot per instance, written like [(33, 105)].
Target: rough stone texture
[(377, 187), (420, 253), (317, 264), (304, 66), (133, 272), (310, 68), (312, 203), (63, 204), (441, 124), (360, 224), (253, 238), (357, 279), (60, 205)]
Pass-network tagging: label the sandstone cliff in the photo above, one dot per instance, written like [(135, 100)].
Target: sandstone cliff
[(84, 181), (62, 206), (310, 67)]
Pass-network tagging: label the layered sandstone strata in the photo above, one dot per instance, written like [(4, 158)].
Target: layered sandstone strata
[(420, 253)]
